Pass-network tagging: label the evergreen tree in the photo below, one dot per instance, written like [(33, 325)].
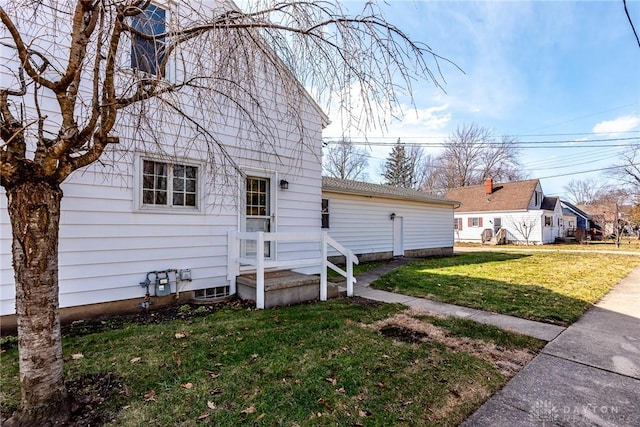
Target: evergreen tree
[(399, 167)]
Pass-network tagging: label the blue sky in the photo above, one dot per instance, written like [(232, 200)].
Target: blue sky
[(537, 70)]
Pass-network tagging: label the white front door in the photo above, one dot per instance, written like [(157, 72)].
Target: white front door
[(398, 237), (258, 210)]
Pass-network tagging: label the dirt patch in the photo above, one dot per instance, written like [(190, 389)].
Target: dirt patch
[(95, 398), (404, 334), (407, 328), (363, 301), (143, 317)]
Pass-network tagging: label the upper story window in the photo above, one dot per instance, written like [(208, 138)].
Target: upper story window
[(538, 198), (166, 184), (548, 221), (325, 213), (147, 53)]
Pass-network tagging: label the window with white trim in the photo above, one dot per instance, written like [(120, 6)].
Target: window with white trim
[(147, 49), (548, 221), (169, 184)]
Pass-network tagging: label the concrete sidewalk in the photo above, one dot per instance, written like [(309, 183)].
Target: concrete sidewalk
[(587, 375), (538, 330)]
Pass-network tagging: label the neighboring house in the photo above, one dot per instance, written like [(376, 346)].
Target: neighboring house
[(579, 226), (380, 221), (603, 217), (165, 221), (519, 208)]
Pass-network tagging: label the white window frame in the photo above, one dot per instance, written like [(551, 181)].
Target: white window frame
[(170, 69), (475, 221), (140, 206)]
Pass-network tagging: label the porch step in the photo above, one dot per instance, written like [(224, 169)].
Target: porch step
[(284, 288)]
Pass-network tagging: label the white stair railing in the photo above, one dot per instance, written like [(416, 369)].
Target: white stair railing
[(236, 260)]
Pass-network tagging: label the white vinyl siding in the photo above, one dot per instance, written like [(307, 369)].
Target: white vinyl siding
[(109, 239), (363, 224)]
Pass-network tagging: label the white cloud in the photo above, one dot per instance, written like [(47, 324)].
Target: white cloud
[(621, 124)]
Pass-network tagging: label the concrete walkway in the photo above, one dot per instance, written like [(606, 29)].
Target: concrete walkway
[(587, 375), (538, 330)]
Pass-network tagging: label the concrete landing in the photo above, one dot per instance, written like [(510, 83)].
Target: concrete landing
[(284, 288)]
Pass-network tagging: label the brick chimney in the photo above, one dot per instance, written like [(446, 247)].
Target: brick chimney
[(488, 186)]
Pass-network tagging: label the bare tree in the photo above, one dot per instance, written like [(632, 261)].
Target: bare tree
[(426, 179), (584, 191), (608, 211), (224, 60), (346, 161), (472, 154), (627, 170), (524, 227)]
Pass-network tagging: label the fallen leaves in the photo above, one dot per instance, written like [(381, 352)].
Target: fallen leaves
[(212, 374), (180, 335), (250, 410), (211, 405), (333, 381), (77, 356), (135, 360), (150, 396), (187, 386), (176, 358)]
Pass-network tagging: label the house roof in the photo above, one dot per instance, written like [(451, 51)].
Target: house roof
[(573, 208), (344, 186), (549, 203), (508, 196)]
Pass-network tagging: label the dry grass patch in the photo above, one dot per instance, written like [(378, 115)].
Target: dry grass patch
[(408, 326)]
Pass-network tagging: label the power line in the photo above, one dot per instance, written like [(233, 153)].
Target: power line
[(630, 21), (621, 142)]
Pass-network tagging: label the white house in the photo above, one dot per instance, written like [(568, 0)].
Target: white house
[(159, 215), (380, 221), (519, 208)]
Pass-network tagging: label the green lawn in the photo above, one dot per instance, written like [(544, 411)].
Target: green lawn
[(343, 362), (555, 287), (357, 269)]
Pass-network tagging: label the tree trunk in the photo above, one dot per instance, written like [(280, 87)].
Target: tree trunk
[(34, 210)]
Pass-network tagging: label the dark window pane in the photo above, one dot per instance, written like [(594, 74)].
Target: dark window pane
[(161, 169), (191, 185), (147, 181), (191, 172), (178, 184), (161, 183), (161, 197), (190, 200), (148, 167), (147, 197), (178, 199)]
